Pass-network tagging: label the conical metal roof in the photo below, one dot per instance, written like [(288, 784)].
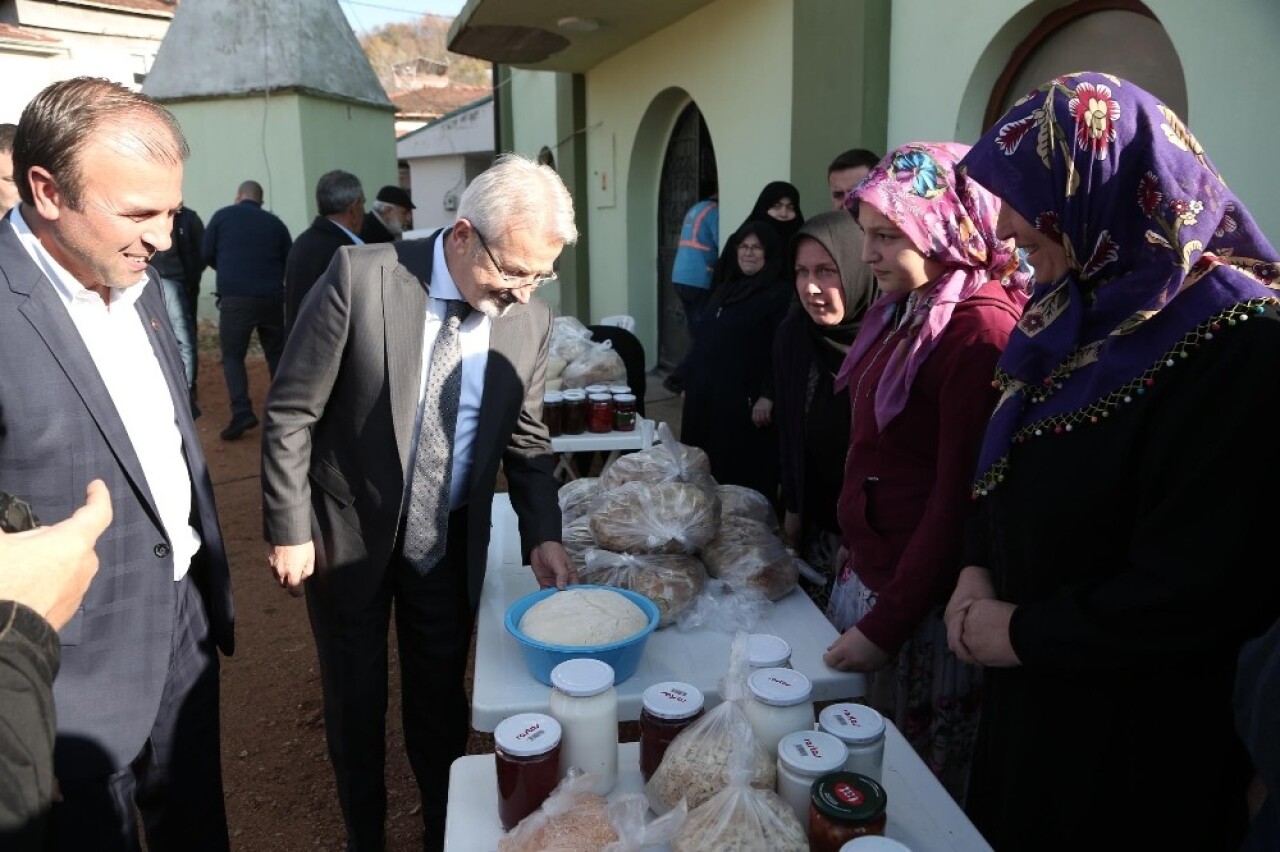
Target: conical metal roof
[(238, 47)]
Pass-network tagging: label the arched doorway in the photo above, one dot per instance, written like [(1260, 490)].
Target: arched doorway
[(1120, 37), (688, 168)]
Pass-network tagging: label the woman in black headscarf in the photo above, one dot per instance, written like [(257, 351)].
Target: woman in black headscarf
[(835, 288), (777, 206), (730, 357)]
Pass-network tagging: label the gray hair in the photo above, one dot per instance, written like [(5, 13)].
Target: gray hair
[(381, 207), (336, 191), (517, 190)]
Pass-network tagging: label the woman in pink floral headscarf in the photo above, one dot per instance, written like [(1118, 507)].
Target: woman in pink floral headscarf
[(919, 382)]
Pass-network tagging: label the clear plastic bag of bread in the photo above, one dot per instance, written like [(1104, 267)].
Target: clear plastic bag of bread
[(574, 819), (747, 503), (667, 461), (577, 538), (742, 817), (599, 364), (696, 765), (671, 580), (723, 609), (578, 497), (570, 340), (663, 517), (746, 554)]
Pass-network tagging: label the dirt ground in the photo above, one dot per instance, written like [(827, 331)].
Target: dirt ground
[(279, 787)]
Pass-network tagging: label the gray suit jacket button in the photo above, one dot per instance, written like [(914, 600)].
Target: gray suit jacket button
[(160, 550)]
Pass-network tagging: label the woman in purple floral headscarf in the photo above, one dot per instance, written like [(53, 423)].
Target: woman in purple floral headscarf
[(918, 378), (1116, 566)]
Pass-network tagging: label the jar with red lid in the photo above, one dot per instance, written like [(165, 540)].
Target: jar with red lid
[(575, 412), (624, 412), (842, 806), (599, 412), (527, 754), (666, 710)]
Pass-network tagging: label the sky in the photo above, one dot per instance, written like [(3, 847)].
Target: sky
[(365, 15)]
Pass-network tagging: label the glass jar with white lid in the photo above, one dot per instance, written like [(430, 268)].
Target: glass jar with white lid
[(861, 729), (766, 651), (804, 757), (779, 701), (585, 703)]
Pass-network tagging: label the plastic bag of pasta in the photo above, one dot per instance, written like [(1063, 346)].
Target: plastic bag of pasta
[(666, 517), (742, 817), (746, 554), (671, 581), (578, 497), (695, 766), (572, 819), (746, 503), (667, 461)]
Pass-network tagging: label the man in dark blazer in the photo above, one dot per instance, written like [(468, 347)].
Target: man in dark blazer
[(391, 216), (340, 200), (96, 390), (342, 452)]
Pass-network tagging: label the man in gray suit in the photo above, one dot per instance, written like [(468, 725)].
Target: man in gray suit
[(95, 389), (414, 368)]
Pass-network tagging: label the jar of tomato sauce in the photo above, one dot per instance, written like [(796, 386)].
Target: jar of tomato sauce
[(666, 710), (842, 806), (599, 412)]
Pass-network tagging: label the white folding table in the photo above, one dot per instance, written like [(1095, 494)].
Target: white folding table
[(613, 443), (503, 686), (922, 816)]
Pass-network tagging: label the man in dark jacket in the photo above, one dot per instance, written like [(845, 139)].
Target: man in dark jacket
[(391, 216), (248, 247), (340, 200), (180, 267)]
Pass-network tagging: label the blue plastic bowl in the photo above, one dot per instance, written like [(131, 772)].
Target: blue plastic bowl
[(542, 657)]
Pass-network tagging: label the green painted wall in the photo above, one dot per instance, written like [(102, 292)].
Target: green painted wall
[(285, 142), (633, 100), (1227, 106), (839, 96)]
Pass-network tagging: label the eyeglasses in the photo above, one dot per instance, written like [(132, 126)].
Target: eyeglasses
[(751, 249), (532, 280)]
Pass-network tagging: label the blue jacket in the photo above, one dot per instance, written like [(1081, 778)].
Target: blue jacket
[(699, 245), (248, 247)]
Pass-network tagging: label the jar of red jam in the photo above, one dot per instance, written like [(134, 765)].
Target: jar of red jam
[(553, 412), (575, 412), (666, 710), (527, 754), (624, 412), (599, 412), (842, 806)]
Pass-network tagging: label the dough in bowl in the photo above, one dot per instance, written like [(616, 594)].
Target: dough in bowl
[(583, 617)]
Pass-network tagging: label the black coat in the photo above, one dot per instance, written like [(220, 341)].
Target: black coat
[(373, 231), (308, 259), (29, 654)]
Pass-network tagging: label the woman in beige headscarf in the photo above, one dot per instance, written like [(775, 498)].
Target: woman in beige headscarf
[(834, 288)]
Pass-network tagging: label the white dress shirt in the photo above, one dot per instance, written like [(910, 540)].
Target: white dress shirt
[(473, 337), (121, 350), (355, 238)]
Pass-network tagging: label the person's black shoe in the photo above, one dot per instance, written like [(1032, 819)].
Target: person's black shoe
[(239, 425)]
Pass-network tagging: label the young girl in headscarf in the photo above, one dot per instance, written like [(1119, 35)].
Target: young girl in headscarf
[(919, 383), (834, 288), (1123, 548)]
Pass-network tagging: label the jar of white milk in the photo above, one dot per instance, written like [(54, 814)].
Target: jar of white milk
[(585, 704)]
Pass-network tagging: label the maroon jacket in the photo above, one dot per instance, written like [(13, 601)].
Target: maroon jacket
[(905, 497)]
